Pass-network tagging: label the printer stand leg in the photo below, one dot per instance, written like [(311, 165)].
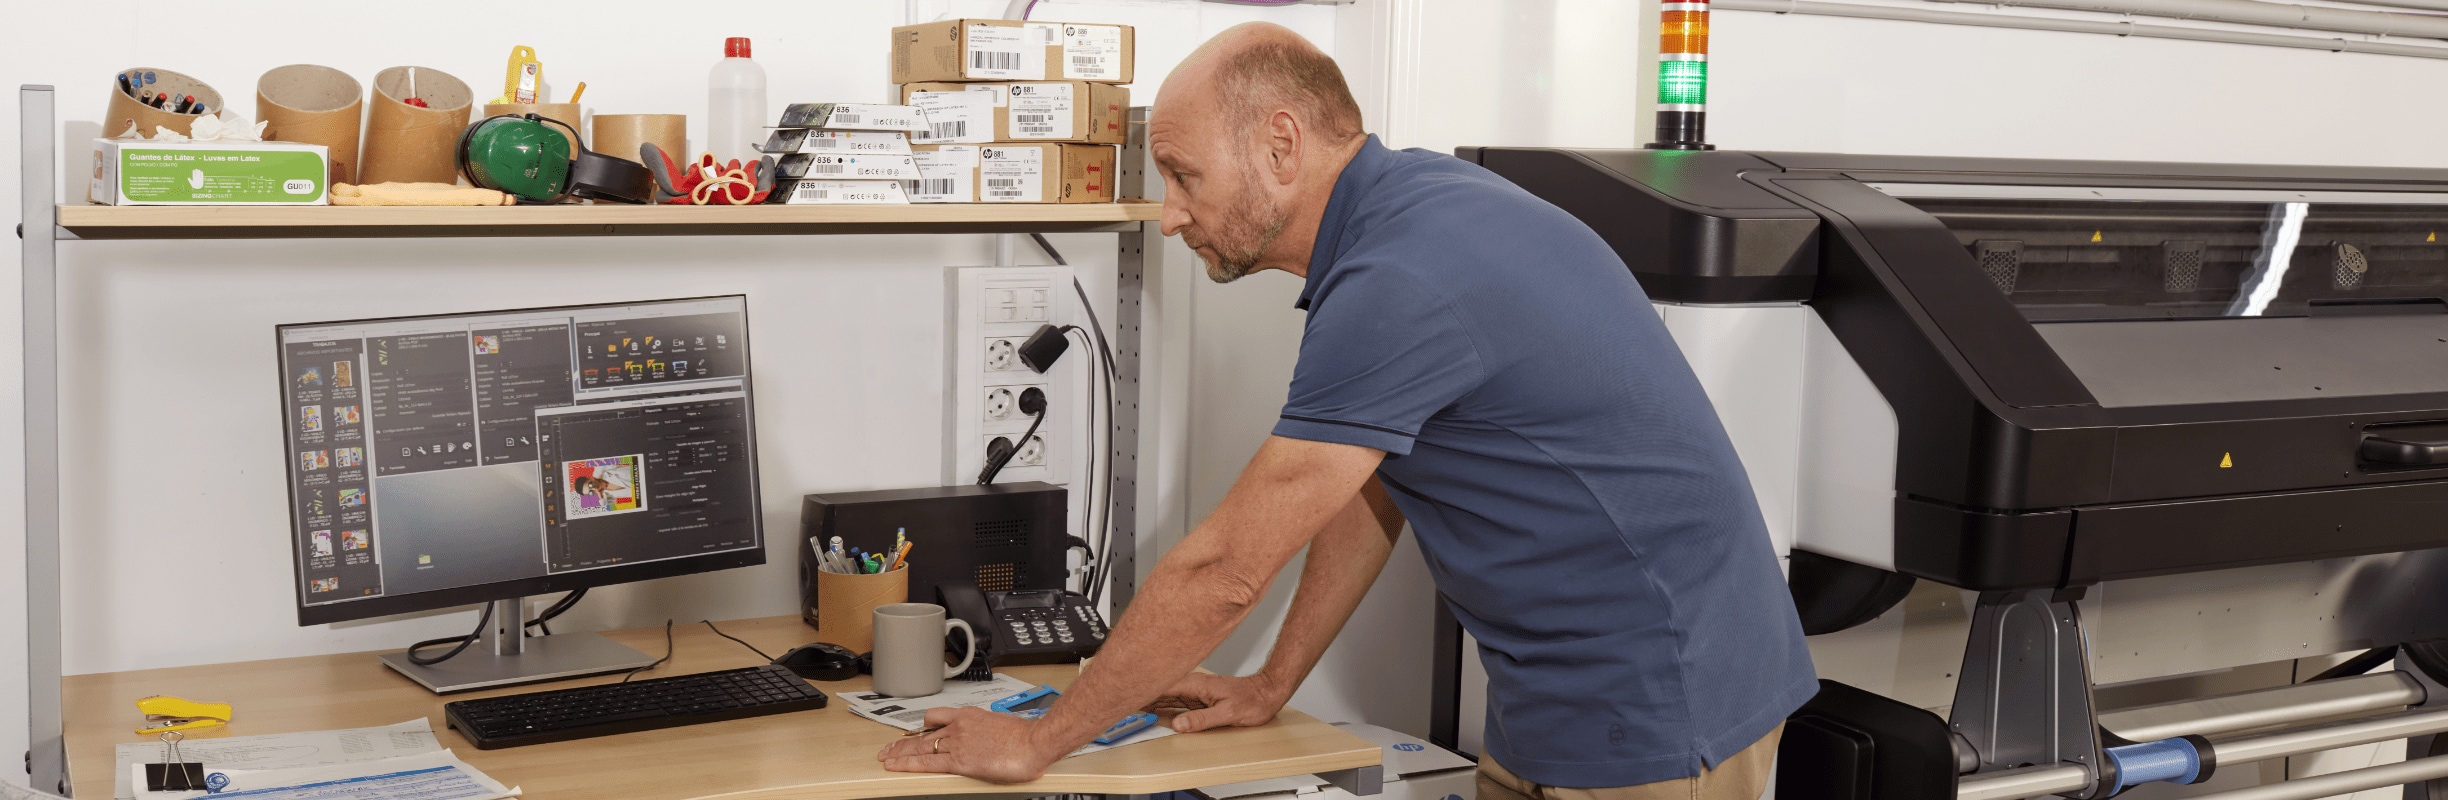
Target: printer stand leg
[(2024, 698)]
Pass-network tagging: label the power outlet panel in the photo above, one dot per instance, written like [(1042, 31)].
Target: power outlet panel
[(992, 310)]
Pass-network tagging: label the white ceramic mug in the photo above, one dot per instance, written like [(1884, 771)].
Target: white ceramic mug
[(909, 648)]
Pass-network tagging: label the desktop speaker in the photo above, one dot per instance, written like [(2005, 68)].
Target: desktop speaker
[(1001, 536)]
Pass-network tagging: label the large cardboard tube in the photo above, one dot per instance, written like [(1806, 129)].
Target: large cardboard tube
[(407, 144), (618, 135), (125, 109), (314, 105)]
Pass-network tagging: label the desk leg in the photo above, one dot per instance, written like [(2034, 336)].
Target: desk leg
[(47, 759), (1363, 781)]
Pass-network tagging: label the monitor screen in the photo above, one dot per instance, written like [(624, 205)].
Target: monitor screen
[(449, 460)]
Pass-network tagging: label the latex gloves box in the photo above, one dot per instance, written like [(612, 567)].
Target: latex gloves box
[(1011, 50), (143, 173), (1030, 111), (1414, 770)]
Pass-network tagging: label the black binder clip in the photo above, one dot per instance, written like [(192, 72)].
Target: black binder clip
[(174, 774)]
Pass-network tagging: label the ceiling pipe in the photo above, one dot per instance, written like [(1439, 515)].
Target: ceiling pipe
[(1933, 16), (2254, 12)]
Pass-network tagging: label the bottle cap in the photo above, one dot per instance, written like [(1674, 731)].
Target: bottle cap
[(735, 47)]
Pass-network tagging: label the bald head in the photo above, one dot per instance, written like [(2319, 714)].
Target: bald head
[(1254, 70)]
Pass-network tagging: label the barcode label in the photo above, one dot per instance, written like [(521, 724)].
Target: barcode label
[(825, 143), (818, 194), (1092, 52), (935, 186), (994, 59), (948, 130), (826, 169), (841, 118), (1040, 111), (1004, 187)]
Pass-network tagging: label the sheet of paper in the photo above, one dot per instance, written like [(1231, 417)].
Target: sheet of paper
[(284, 750), (909, 713), (427, 776)]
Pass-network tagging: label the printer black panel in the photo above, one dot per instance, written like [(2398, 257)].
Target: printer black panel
[(1689, 228), (2052, 338)]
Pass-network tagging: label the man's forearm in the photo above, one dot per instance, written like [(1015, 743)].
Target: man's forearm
[(1344, 561), (1206, 585)]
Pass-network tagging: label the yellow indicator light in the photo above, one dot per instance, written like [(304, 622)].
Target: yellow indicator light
[(2226, 460)]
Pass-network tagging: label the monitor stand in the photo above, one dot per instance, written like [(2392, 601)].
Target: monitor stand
[(503, 656)]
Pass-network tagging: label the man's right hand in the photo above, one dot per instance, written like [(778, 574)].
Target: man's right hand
[(1217, 701)]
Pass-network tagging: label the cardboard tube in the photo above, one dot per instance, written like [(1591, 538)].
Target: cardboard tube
[(618, 135), (846, 604), (567, 113), (125, 109), (407, 144), (315, 105)]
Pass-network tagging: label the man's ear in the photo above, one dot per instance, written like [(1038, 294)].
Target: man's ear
[(1283, 146)]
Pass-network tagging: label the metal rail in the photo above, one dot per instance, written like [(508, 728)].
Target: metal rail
[(2338, 783), (2265, 708), (2015, 784), (2329, 737), (2118, 28)]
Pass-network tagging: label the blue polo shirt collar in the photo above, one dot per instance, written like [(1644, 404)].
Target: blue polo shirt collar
[(1361, 173)]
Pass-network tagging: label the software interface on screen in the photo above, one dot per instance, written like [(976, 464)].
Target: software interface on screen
[(439, 452)]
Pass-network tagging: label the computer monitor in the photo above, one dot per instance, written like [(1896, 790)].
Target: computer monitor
[(449, 460)]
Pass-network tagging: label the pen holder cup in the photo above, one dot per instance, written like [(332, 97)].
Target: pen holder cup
[(408, 144), (124, 110), (315, 105), (846, 604)]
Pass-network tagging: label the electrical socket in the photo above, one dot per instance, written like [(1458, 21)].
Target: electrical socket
[(991, 311), (1003, 355), (1030, 454), (1000, 401)]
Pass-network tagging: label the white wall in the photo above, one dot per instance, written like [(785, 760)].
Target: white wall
[(174, 520)]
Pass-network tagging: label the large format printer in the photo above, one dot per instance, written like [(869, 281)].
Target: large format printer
[(2030, 379)]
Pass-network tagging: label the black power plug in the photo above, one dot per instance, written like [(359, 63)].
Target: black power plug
[(1043, 348), (1000, 451)]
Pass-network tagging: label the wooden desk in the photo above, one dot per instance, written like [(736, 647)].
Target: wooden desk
[(827, 754)]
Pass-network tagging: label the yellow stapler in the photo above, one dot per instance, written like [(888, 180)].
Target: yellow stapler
[(165, 713)]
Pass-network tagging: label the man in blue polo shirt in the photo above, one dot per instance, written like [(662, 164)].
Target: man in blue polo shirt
[(1478, 363)]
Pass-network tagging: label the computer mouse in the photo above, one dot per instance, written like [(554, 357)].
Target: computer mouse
[(821, 662)]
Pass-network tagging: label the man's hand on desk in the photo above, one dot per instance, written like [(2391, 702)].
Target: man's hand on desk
[(977, 743), (1217, 701)]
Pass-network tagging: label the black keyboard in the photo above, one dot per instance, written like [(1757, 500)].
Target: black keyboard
[(564, 714)]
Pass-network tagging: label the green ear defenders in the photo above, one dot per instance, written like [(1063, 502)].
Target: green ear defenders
[(521, 156)]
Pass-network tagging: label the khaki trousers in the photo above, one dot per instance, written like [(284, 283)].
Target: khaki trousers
[(1742, 777)]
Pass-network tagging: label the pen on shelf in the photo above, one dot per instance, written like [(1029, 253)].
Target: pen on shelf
[(577, 93), (901, 557), (125, 87)]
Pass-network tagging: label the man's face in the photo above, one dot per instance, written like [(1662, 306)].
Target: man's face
[(1216, 185)]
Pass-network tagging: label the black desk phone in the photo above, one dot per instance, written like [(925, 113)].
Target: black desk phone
[(1025, 626)]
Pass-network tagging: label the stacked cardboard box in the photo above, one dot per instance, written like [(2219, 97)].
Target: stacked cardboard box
[(829, 153), (1016, 112)]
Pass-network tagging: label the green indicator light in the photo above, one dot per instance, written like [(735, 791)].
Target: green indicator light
[(1682, 83)]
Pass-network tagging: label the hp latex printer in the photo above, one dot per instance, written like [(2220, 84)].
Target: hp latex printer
[(2048, 375)]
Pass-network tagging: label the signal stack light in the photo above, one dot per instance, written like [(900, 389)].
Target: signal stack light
[(1682, 111)]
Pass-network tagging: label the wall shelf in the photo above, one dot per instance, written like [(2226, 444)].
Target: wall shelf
[(79, 221)]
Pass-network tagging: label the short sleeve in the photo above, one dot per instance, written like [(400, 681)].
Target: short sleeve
[(1379, 356)]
